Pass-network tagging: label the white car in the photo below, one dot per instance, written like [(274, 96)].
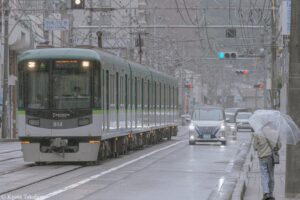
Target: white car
[(208, 124), (242, 120)]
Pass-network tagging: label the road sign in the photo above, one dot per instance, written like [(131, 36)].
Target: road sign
[(56, 24)]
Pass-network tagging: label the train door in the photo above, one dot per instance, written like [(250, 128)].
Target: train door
[(137, 105), (117, 101), (142, 89), (147, 106), (122, 110), (97, 106), (126, 102), (112, 102), (156, 105), (160, 104), (134, 103), (164, 103)]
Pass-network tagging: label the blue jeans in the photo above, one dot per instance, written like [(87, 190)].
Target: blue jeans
[(267, 174)]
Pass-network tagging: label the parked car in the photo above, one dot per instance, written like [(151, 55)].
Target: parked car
[(208, 124), (242, 120)]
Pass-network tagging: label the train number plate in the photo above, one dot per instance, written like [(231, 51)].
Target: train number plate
[(57, 124)]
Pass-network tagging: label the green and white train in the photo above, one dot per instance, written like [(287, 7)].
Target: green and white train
[(85, 105)]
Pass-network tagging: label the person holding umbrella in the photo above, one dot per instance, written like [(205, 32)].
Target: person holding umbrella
[(270, 126), (265, 149)]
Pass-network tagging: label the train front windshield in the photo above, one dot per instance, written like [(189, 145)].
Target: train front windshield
[(71, 85), (38, 85), (58, 85)]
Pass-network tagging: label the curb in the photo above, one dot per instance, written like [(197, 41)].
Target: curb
[(242, 181), (232, 187)]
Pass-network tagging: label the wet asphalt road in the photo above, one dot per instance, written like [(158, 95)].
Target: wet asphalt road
[(170, 170)]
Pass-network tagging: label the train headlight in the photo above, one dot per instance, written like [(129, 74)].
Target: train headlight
[(83, 121), (34, 122), (192, 137), (31, 64), (85, 64)]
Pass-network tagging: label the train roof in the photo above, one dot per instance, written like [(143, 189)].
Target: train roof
[(97, 55), (59, 53)]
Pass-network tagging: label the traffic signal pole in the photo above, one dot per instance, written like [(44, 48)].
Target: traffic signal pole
[(274, 88), (292, 178)]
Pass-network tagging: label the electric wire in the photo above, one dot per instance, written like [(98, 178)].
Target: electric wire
[(178, 10), (187, 11)]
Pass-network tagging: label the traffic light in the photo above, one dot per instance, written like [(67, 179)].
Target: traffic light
[(227, 55), (188, 85), (77, 4), (259, 85), (243, 72), (221, 55)]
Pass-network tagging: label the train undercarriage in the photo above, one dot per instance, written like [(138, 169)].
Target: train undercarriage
[(91, 149)]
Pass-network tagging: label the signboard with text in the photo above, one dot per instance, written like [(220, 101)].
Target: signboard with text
[(56, 24), (285, 17)]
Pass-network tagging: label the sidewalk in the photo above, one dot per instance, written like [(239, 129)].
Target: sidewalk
[(253, 184)]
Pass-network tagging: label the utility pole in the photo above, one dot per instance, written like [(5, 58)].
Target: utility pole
[(45, 16), (292, 178), (273, 57), (140, 47), (5, 131), (90, 22)]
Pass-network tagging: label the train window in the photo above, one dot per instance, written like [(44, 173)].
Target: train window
[(160, 96), (112, 90), (38, 86), (97, 87), (71, 86), (122, 91), (135, 92), (139, 95)]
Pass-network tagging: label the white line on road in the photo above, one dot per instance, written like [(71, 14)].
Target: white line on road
[(49, 195)]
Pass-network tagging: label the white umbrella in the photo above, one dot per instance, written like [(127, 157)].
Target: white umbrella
[(273, 124)]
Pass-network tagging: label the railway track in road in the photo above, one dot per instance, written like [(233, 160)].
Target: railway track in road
[(65, 169), (38, 180), (10, 155), (10, 151)]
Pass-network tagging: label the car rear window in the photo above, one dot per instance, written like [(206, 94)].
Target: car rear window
[(243, 116)]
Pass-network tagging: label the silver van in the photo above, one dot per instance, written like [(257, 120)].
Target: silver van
[(208, 124)]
